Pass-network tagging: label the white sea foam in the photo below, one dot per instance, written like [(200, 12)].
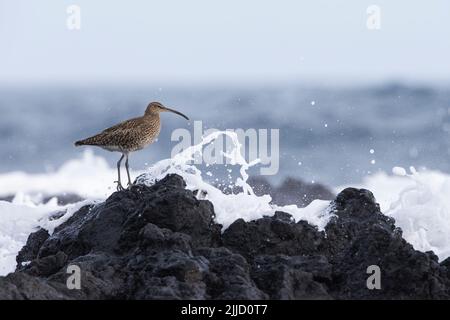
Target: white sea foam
[(228, 208), (90, 177), (21, 217)]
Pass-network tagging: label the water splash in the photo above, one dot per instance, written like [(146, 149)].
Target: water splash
[(423, 210), (21, 217), (230, 207)]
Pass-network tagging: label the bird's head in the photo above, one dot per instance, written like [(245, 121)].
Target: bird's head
[(156, 108)]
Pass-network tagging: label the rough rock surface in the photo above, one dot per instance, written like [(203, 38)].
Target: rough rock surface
[(161, 242)]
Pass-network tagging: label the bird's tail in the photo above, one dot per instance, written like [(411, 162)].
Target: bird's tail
[(79, 143), (91, 141), (85, 142)]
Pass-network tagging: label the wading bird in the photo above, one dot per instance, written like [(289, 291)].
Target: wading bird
[(130, 136)]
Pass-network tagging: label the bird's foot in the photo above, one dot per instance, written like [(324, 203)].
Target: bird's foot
[(129, 185), (119, 186)]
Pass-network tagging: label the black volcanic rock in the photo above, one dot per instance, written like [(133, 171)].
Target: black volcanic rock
[(229, 275), (31, 249), (293, 277), (273, 235), (161, 242), (361, 236)]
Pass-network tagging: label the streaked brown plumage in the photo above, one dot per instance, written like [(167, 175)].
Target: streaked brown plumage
[(130, 136)]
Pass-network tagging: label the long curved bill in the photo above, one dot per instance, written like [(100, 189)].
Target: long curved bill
[(177, 112)]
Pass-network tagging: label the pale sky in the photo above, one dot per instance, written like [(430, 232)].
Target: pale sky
[(226, 40)]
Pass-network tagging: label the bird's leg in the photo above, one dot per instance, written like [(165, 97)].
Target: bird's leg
[(128, 170), (119, 183)]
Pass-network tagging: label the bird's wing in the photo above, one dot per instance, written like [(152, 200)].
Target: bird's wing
[(116, 135), (123, 126)]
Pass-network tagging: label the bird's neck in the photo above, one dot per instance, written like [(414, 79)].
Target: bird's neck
[(151, 115), (152, 119)]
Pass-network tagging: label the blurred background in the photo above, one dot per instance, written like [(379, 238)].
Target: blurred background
[(349, 100)]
